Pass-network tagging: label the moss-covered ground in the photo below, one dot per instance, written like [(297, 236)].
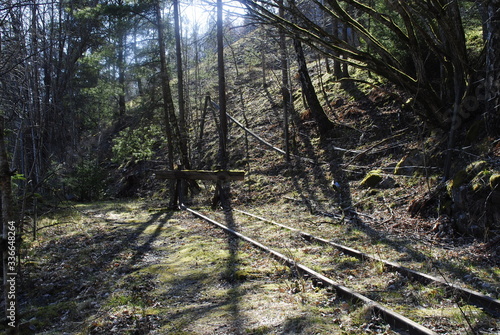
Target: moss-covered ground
[(133, 268)]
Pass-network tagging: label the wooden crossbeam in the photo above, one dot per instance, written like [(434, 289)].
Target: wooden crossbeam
[(222, 175)]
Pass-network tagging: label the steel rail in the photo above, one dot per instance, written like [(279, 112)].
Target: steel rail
[(395, 319), (489, 304)]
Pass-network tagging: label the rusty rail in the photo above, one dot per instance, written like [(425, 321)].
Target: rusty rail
[(489, 304), (395, 319)]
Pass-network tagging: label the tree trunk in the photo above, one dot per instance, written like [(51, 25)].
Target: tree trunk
[(121, 71), (197, 89), (180, 89), (454, 41), (168, 105), (222, 188), (285, 88), (337, 65), (263, 51), (138, 78), (222, 88), (491, 13), (317, 112), (345, 66)]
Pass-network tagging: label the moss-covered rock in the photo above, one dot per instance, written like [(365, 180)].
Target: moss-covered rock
[(410, 163), (388, 182), (481, 181), (474, 132), (495, 181), (372, 179), (475, 167), (459, 179), (473, 203), (476, 175)]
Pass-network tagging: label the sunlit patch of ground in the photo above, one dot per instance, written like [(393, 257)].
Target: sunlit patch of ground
[(128, 268)]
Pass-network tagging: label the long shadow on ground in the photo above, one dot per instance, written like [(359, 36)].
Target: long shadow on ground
[(76, 274)]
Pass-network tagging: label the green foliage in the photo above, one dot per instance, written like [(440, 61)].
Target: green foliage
[(135, 145), (18, 176), (87, 12), (88, 181)]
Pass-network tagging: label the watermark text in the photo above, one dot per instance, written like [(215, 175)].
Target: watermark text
[(11, 287)]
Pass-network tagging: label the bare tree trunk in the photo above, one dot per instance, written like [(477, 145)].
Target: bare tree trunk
[(242, 102), (223, 188), (285, 88), (121, 72), (263, 48), (138, 78), (222, 88), (197, 89), (454, 40), (202, 123), (345, 66), (121, 32), (8, 240), (180, 89), (168, 105), (337, 66), (317, 112), (36, 119), (491, 14)]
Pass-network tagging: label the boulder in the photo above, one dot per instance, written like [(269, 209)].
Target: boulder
[(410, 163), (475, 167), (495, 181), (372, 179)]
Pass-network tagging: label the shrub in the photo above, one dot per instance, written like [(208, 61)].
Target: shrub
[(134, 145), (88, 180)]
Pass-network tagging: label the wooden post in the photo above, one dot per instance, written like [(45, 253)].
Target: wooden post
[(181, 184)]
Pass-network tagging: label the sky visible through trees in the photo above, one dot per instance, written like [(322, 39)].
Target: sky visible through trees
[(201, 12)]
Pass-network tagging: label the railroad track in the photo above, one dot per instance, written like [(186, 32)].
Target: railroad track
[(331, 264), (488, 303)]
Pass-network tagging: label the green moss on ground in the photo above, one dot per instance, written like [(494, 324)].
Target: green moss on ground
[(123, 268)]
